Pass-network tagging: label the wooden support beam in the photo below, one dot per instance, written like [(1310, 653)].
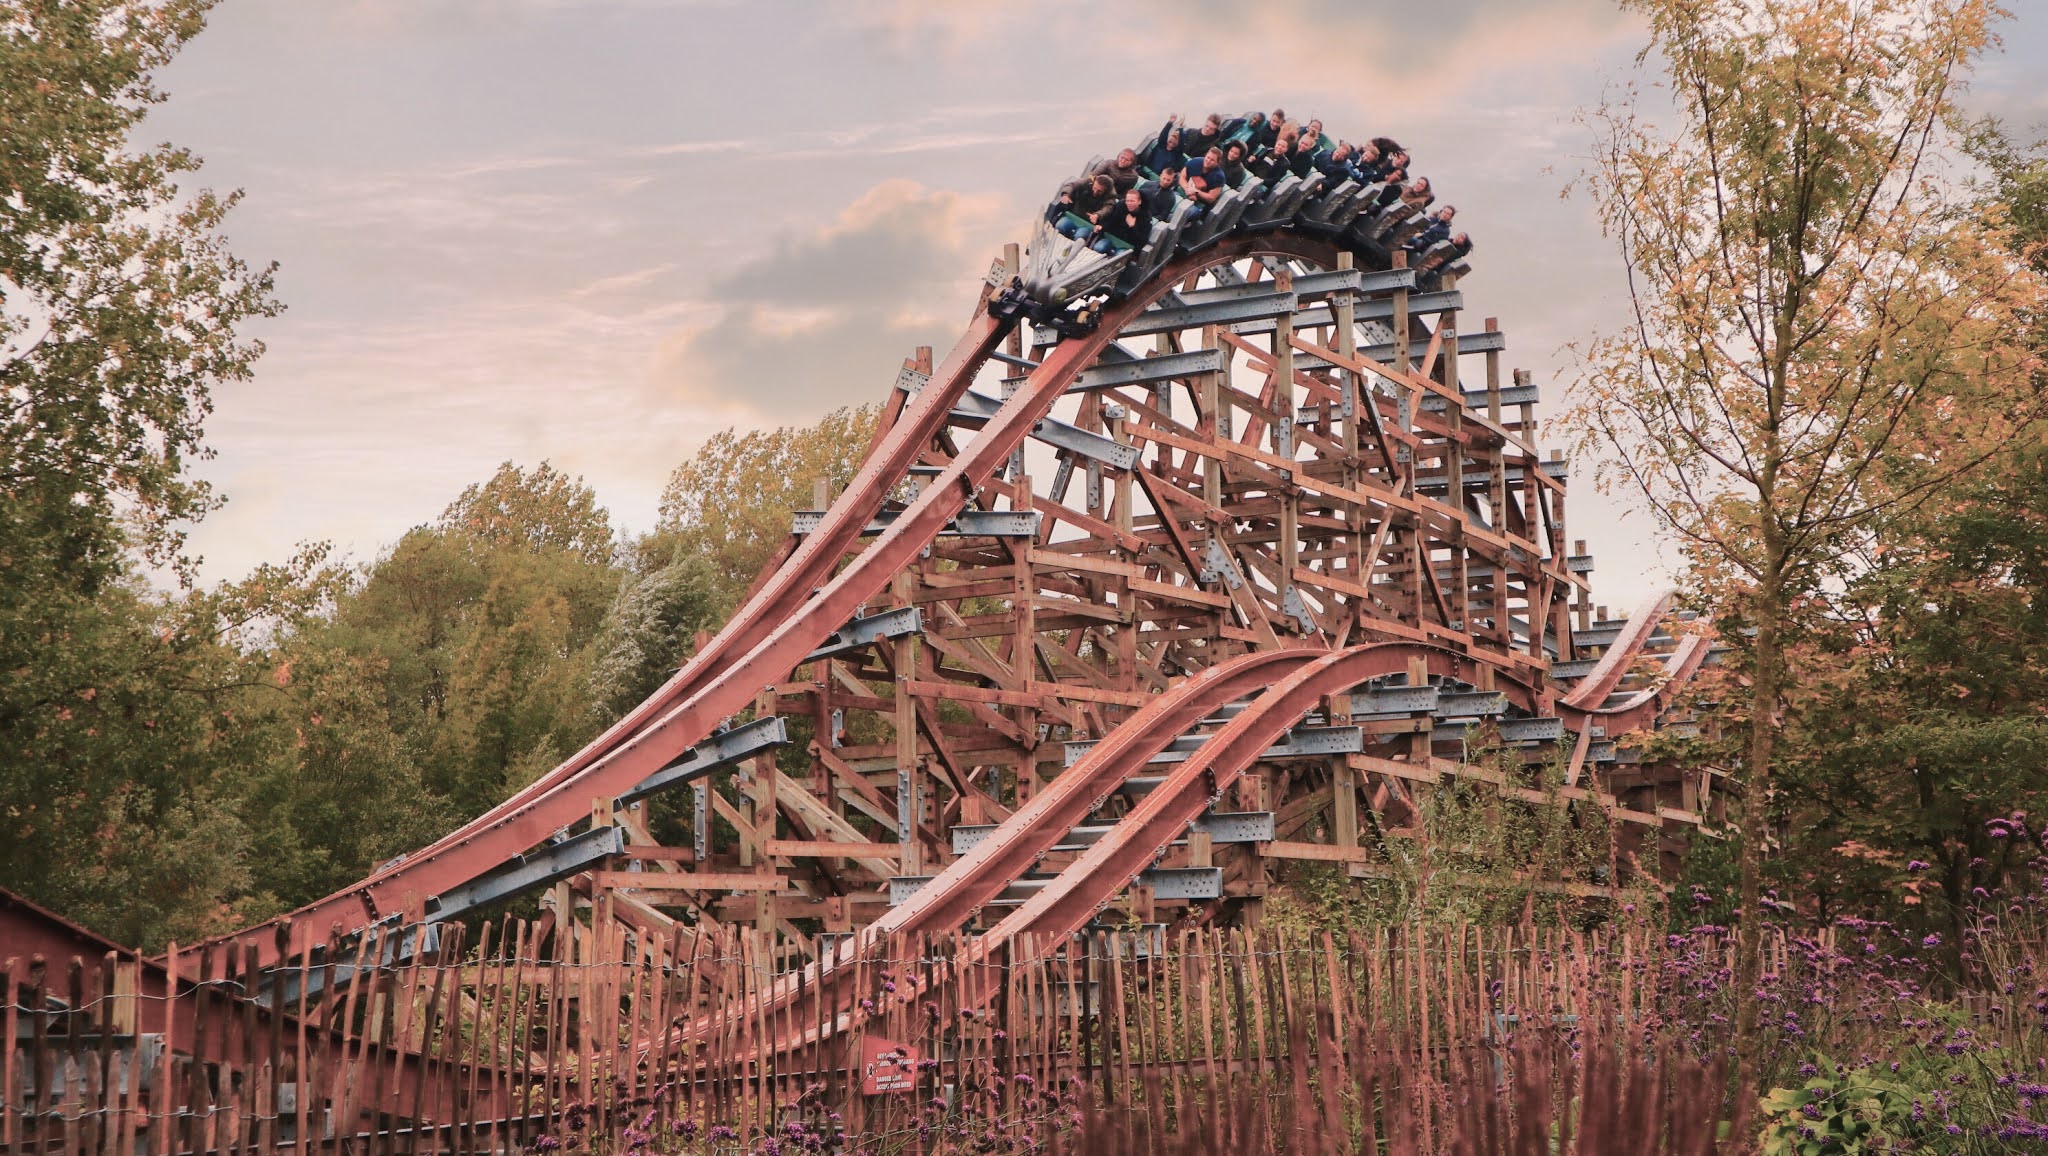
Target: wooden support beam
[(1320, 852), (656, 882), (822, 849)]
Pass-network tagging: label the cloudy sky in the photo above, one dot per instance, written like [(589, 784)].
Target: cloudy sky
[(594, 231)]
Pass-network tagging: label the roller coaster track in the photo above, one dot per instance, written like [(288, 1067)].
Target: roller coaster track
[(1361, 535), (1285, 685)]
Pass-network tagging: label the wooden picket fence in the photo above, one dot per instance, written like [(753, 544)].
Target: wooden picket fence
[(514, 1036)]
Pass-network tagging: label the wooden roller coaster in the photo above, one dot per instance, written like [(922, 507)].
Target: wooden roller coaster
[(1138, 495), (1187, 562)]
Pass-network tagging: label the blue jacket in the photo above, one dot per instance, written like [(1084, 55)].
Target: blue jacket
[(1159, 155), (1437, 230)]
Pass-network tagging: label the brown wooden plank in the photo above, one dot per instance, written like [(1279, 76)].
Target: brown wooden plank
[(820, 848), (658, 883)]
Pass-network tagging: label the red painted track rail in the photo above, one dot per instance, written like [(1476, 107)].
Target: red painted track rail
[(1064, 906), (1285, 684)]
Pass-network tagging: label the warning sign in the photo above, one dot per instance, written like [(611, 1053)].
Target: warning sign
[(886, 1066)]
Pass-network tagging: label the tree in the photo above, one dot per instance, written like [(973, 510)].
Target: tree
[(481, 630), (731, 502), (1899, 768), (542, 510), (126, 799), (651, 631), (1825, 328), (119, 299), (120, 307), (1921, 731)]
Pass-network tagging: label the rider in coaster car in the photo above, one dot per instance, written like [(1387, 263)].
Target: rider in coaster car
[(1438, 229), (1338, 164), (1163, 194), (1122, 171), (1388, 164), (1205, 183), (1113, 206), (1459, 248), (1196, 141), (1234, 155), (1084, 197), (1366, 159), (1165, 148), (1301, 158), (1276, 163), (1390, 192), (1129, 223), (1261, 132)]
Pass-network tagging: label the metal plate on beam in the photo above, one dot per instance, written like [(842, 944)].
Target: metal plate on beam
[(1472, 704), (1433, 483), (1238, 826), (1217, 563), (1305, 285), (1302, 742), (975, 409), (720, 750), (1386, 280), (1292, 605), (1512, 730), (1476, 398), (863, 632), (1381, 309), (1164, 367), (1221, 827), (536, 868), (1531, 730), (965, 524), (1231, 312), (1165, 882), (1481, 342), (1184, 882), (1395, 700)]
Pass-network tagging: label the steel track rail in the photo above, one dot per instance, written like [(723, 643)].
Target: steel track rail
[(1305, 677), (1587, 703), (1614, 663), (1641, 710), (794, 578), (475, 845), (1017, 845), (812, 561), (1106, 868), (969, 882)]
